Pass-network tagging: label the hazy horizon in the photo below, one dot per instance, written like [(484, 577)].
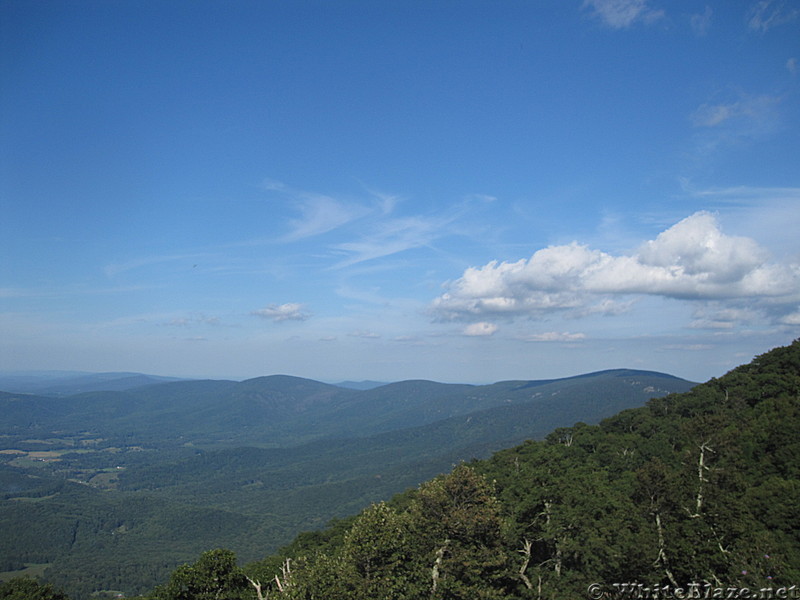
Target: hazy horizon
[(56, 375)]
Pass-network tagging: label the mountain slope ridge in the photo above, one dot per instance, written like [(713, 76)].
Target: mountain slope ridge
[(695, 489)]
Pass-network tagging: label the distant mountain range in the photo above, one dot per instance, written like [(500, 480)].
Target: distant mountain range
[(281, 410), (66, 383), (151, 475)]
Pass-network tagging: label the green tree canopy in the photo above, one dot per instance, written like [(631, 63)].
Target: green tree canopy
[(214, 576), (24, 588)]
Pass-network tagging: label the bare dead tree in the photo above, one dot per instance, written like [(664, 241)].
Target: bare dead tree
[(282, 581), (285, 579), (526, 552), (257, 586), (437, 565), (701, 480), (661, 558)]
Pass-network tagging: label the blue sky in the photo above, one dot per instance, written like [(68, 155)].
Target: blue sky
[(459, 191)]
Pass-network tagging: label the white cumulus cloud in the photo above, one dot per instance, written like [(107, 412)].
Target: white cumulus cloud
[(791, 319), (692, 260), (481, 328), (291, 311)]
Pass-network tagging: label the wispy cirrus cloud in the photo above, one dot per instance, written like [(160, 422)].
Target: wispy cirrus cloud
[(766, 14), (319, 213), (748, 108), (741, 120), (701, 23), (390, 236), (322, 214), (692, 260), (368, 229), (620, 14), (744, 193)]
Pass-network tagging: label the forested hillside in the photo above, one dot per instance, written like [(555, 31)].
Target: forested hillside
[(696, 489), (113, 490)]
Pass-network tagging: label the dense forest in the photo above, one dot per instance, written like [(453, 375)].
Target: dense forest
[(698, 491)]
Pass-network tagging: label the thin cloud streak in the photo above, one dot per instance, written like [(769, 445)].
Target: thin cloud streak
[(373, 229), (555, 336), (393, 236), (749, 193), (755, 109)]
